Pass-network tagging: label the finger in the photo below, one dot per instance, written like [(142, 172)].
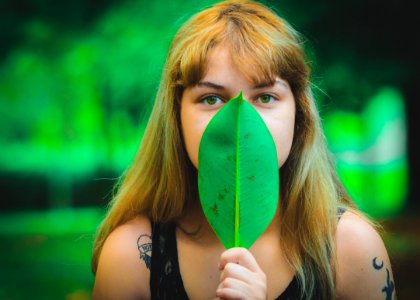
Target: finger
[(230, 287), (240, 256), (230, 294), (233, 283), (236, 271)]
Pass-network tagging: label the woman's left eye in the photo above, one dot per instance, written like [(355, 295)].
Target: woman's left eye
[(211, 100), (266, 99)]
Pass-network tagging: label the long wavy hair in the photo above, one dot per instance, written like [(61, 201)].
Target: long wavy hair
[(162, 181)]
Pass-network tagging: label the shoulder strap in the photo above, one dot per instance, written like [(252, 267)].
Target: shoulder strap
[(165, 277)]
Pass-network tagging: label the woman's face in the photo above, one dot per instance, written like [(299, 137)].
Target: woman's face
[(222, 81)]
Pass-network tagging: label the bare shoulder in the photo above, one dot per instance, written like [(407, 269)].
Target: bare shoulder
[(124, 264), (363, 266)]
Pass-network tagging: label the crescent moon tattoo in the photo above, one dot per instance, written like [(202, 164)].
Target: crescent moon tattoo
[(376, 266)]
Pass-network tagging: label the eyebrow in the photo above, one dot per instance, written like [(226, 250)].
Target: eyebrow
[(210, 85), (221, 87), (268, 84)]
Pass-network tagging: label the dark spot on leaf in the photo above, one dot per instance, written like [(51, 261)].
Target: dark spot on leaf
[(230, 158), (247, 136), (221, 196), (252, 177), (226, 190), (215, 209)]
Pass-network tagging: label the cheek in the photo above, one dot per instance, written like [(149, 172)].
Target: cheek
[(282, 131), (193, 126)]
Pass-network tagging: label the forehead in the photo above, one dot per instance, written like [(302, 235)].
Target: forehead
[(221, 61)]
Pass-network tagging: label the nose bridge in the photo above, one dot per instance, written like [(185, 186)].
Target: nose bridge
[(246, 95), (241, 88)]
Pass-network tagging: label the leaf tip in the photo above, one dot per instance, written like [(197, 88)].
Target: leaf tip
[(240, 97)]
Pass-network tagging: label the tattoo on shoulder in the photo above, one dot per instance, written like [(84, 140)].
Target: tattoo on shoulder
[(144, 244), (389, 287)]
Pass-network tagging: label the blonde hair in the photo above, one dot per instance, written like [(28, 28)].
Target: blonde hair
[(162, 181)]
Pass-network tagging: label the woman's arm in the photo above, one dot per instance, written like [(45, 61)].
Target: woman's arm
[(363, 266), (123, 270)]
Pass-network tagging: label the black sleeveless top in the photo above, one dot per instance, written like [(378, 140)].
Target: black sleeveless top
[(165, 277)]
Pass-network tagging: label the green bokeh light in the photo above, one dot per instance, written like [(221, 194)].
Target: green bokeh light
[(371, 152)]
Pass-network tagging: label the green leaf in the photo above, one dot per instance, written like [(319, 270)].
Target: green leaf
[(238, 174)]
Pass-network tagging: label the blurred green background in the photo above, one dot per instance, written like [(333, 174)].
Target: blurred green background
[(77, 83)]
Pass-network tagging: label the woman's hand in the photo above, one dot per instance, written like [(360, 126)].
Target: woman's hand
[(241, 277)]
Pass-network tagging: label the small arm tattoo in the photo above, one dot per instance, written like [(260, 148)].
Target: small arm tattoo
[(375, 264), (144, 244), (389, 288)]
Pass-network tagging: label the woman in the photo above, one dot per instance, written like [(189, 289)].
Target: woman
[(155, 241)]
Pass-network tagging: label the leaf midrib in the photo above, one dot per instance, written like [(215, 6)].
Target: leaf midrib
[(237, 213)]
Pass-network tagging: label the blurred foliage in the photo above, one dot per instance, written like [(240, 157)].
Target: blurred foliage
[(48, 253), (74, 103)]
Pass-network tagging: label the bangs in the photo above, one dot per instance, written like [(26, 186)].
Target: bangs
[(260, 47)]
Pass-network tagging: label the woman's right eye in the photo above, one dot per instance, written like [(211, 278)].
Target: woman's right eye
[(211, 100)]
